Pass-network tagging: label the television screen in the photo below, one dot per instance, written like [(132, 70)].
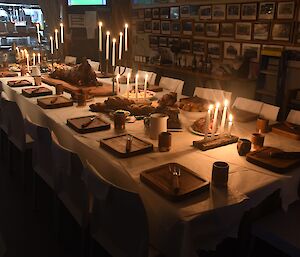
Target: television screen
[(86, 2)]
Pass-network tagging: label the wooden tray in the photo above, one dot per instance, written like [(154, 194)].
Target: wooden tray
[(117, 146), (207, 144), (60, 102), (243, 116), (287, 131), (19, 83), (160, 179), (96, 125), (262, 159), (36, 91), (4, 74)]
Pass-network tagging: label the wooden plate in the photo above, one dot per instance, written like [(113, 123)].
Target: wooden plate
[(86, 125), (36, 91), (19, 83), (60, 102)]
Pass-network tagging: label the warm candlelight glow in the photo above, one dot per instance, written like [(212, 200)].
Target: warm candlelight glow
[(100, 35), (33, 59), (120, 45), (118, 85), (51, 45), (113, 59), (230, 118), (107, 45), (127, 86), (230, 124), (38, 32), (56, 39), (224, 116), (137, 86), (215, 121), (126, 37), (226, 102), (145, 85), (61, 32), (39, 58)]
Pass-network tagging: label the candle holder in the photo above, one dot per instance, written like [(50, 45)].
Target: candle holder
[(211, 143)]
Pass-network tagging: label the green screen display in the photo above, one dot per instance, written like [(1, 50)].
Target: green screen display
[(86, 2)]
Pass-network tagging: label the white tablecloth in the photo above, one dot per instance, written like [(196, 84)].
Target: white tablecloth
[(176, 229)]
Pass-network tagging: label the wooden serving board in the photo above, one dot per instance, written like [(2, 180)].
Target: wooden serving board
[(160, 179), (117, 146), (284, 130), (19, 83), (263, 159), (243, 116), (36, 91), (96, 125), (59, 103), (4, 74)]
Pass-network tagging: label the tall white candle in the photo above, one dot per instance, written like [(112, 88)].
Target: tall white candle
[(39, 58), (22, 53), (224, 116), (100, 36), (118, 84), (56, 39), (230, 122), (207, 121), (38, 33), (61, 32), (27, 60), (127, 86), (126, 37), (137, 86), (120, 45), (51, 45), (33, 59), (214, 128), (113, 59), (145, 86), (107, 45), (18, 52)]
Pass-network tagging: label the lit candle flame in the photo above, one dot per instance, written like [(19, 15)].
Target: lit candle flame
[(226, 102), (230, 117)]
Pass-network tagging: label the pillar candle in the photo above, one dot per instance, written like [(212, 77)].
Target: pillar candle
[(107, 45), (56, 39), (39, 58), (126, 37), (18, 52), (51, 45), (145, 86), (214, 128), (224, 116), (120, 45), (100, 36), (230, 122), (38, 33), (207, 121), (137, 86), (33, 59), (27, 60), (113, 59), (127, 86), (118, 84), (61, 33)]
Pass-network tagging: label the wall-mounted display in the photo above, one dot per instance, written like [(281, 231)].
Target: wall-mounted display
[(231, 50), (219, 12), (185, 11), (187, 27), (155, 13), (156, 26), (148, 26), (148, 14), (266, 10), (249, 11), (185, 44), (163, 42), (199, 47), (251, 49), (243, 30), (165, 13), (227, 29), (261, 31), (205, 12), (281, 31), (214, 50), (176, 28), (174, 13), (199, 28), (212, 29), (165, 27), (153, 42), (286, 10), (233, 11)]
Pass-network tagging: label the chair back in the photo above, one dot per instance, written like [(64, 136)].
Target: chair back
[(121, 69), (71, 60), (69, 185), (248, 105), (294, 117), (4, 121), (173, 85), (269, 112), (211, 94), (94, 65), (118, 218)]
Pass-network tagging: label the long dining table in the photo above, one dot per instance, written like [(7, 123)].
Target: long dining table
[(177, 229)]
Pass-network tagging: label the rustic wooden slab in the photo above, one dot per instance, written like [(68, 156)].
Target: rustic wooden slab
[(19, 83), (54, 102), (36, 91), (117, 146), (207, 144), (262, 158), (4, 74), (88, 124), (161, 179), (243, 116), (283, 129)]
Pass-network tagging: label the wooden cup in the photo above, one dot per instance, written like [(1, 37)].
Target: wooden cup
[(243, 146), (262, 125), (220, 172), (257, 140)]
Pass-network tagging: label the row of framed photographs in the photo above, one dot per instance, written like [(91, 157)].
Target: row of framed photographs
[(216, 50), (234, 11), (277, 30)]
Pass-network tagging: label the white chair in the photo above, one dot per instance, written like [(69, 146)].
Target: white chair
[(173, 85), (94, 65), (248, 105), (152, 79), (269, 112), (123, 71), (211, 94), (70, 60), (294, 117), (118, 219)]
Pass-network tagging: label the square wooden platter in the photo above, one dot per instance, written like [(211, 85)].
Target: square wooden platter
[(54, 102), (36, 91)]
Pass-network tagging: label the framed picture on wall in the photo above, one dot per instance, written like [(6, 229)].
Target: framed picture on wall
[(140, 26), (174, 12), (165, 13), (163, 42), (214, 50), (212, 29), (253, 48), (148, 26), (219, 12), (187, 27), (233, 11), (249, 11), (175, 27), (185, 11), (266, 10), (281, 31), (155, 13), (199, 47), (141, 13), (194, 11), (261, 31), (156, 26), (165, 27), (227, 29), (185, 45), (232, 50), (205, 12), (286, 10), (243, 30), (199, 28), (148, 14), (153, 42), (174, 41)]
